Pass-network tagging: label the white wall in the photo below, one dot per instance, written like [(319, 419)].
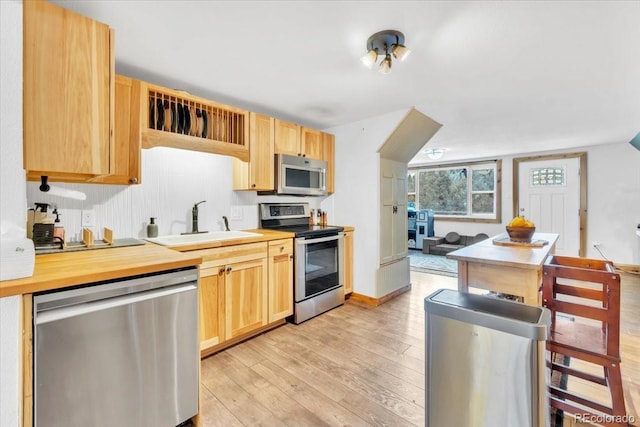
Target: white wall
[(614, 202), (357, 197), (12, 197)]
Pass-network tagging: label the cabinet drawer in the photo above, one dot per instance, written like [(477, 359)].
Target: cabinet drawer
[(279, 247), (231, 254)]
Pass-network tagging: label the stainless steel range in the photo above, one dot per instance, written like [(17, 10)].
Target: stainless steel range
[(319, 258)]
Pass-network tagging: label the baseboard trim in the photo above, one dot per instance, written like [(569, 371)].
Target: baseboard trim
[(374, 302)]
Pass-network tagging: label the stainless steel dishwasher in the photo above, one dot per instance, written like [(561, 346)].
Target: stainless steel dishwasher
[(119, 353)]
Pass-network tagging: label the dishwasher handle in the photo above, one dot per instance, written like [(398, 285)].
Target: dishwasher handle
[(106, 304)]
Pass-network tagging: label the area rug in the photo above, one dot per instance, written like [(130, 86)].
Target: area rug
[(435, 264)]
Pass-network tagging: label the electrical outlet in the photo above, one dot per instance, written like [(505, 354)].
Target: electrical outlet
[(236, 212), (596, 243), (89, 218)]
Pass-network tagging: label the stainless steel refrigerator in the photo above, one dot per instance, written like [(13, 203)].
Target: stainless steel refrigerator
[(485, 361)]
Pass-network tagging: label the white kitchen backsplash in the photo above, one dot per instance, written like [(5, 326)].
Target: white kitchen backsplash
[(172, 181)]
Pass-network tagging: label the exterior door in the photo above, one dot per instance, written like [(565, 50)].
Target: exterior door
[(549, 195)]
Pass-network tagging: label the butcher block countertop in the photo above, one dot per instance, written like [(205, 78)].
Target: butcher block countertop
[(265, 236), (60, 270), (486, 252), (53, 271)]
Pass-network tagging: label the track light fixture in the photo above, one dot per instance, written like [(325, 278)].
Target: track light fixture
[(385, 43)]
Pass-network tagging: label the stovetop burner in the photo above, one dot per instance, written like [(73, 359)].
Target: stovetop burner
[(293, 218), (309, 230)]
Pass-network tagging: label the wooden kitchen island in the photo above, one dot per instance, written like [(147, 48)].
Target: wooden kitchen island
[(513, 270)]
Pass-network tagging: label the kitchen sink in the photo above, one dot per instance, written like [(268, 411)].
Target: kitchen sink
[(189, 239)]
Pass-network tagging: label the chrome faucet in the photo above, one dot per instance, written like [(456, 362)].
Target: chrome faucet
[(226, 223), (194, 219)]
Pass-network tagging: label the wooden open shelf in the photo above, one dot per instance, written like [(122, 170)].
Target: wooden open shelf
[(173, 118)]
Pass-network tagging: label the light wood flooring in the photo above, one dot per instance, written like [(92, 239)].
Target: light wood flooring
[(354, 366)]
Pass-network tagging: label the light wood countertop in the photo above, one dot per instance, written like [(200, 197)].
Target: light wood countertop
[(53, 271), (265, 236), (60, 270), (486, 252)]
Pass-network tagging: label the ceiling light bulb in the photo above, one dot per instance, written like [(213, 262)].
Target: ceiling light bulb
[(385, 65), (434, 153), (370, 58), (400, 52)]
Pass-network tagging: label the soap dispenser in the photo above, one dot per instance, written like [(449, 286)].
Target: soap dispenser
[(58, 229), (152, 228)]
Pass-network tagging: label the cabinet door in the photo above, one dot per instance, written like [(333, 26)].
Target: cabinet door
[(258, 173), (328, 155), (348, 262), (311, 143), (126, 141), (393, 214), (287, 138), (68, 91), (211, 320), (280, 279), (245, 297)]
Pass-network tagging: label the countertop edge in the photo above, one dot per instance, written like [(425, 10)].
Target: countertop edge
[(265, 236), (55, 271)]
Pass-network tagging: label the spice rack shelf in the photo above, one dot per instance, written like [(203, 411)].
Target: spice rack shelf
[(173, 118)]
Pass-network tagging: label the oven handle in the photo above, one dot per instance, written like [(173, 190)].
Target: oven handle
[(305, 241)]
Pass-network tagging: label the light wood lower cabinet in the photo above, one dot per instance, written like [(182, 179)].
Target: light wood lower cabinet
[(348, 262), (244, 289), (245, 297), (280, 279), (211, 319)]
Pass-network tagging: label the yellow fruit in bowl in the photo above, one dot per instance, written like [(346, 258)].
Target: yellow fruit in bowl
[(520, 221), (521, 229)]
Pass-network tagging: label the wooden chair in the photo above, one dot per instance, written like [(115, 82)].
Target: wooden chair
[(597, 342)]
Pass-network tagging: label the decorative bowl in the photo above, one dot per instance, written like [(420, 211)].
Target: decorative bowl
[(521, 234)]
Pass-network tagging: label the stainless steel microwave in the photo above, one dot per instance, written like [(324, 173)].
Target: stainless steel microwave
[(300, 176)]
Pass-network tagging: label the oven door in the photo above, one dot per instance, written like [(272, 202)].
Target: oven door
[(319, 265)]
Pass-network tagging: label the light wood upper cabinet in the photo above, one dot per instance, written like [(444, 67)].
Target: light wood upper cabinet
[(258, 173), (296, 140), (174, 118), (328, 155), (280, 279), (287, 138), (348, 262), (68, 94), (127, 150), (311, 143)]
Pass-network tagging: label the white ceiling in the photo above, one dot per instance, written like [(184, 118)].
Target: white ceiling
[(503, 77)]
